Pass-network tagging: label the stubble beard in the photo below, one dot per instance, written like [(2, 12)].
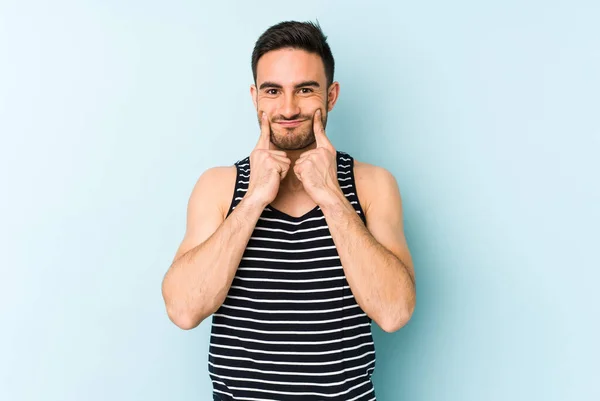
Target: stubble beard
[(293, 138), (296, 138)]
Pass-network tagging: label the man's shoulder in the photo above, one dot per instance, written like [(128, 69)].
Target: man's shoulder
[(218, 175), (372, 174), (371, 180), (221, 179), (215, 185)]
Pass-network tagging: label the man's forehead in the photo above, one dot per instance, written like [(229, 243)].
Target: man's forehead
[(289, 67)]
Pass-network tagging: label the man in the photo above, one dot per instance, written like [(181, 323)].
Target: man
[(280, 249)]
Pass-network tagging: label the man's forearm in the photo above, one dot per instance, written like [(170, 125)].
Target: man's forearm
[(380, 281), (198, 282)]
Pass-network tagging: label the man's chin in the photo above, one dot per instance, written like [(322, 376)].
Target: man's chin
[(286, 141), (293, 146)]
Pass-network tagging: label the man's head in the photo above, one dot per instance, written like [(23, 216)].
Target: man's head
[(293, 70)]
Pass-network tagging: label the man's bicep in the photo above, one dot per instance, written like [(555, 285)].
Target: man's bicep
[(207, 205), (385, 218)]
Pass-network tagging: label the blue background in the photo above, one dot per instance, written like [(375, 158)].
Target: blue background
[(487, 113)]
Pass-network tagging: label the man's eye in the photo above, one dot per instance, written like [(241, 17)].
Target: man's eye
[(271, 91), (306, 90)]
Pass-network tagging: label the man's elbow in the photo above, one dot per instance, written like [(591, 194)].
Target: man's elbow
[(188, 324), (183, 320), (395, 321), (183, 317)]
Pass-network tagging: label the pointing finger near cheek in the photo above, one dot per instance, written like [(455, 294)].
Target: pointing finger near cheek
[(319, 130), (265, 132)]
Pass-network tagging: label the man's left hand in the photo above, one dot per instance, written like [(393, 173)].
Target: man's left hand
[(317, 168)]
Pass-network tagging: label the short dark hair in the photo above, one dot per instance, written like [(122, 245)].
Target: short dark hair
[(306, 36)]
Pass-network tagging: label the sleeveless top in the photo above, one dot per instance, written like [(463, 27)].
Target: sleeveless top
[(290, 328)]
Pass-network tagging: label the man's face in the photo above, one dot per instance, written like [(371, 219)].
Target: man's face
[(290, 86)]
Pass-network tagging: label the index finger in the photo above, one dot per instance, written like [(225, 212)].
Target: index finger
[(264, 141), (320, 136)]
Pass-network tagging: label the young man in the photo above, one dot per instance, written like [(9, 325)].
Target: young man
[(280, 248)]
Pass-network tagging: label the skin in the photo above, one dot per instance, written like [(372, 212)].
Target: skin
[(294, 169)]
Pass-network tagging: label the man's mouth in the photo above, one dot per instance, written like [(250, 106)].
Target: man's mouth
[(290, 123)]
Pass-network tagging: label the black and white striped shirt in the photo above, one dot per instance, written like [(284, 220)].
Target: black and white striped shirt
[(290, 328)]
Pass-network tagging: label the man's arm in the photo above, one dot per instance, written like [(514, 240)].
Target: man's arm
[(376, 258), (199, 278)]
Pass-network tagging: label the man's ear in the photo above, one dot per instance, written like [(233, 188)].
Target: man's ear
[(332, 95), (254, 94)]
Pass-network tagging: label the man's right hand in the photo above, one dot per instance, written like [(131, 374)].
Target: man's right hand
[(267, 167)]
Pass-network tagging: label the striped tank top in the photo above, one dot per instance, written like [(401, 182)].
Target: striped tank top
[(290, 328)]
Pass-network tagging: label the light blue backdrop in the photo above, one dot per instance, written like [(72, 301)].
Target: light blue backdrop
[(486, 112)]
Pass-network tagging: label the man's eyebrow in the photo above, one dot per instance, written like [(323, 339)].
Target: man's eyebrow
[(268, 84), (304, 84)]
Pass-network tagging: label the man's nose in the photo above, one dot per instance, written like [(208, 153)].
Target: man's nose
[(289, 108)]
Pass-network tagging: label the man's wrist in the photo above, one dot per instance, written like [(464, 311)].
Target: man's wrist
[(335, 201), (253, 202)]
